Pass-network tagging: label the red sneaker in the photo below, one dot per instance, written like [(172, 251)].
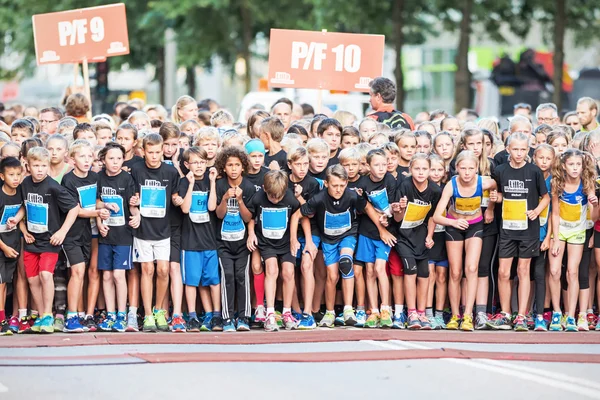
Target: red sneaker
[(13, 324), (25, 325), (592, 320)]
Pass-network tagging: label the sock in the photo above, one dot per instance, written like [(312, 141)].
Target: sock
[(398, 309), (60, 315), (81, 314), (330, 311), (286, 310), (338, 309), (259, 288), (439, 314), (480, 309), (270, 310), (35, 313), (193, 315), (71, 314), (133, 310), (22, 313), (547, 310), (47, 315), (121, 314), (375, 311), (360, 308), (411, 310), (421, 312), (2, 315), (590, 311), (217, 314), (387, 308), (429, 312), (346, 308), (112, 315)]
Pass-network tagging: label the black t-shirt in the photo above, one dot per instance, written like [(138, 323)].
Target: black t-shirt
[(273, 221), (9, 206), (336, 219), (176, 215), (412, 230), (320, 177), (46, 204), (155, 186), (310, 187), (198, 230), (380, 194), (128, 164), (521, 190), (280, 157), (356, 184), (334, 160), (231, 230), (257, 179), (84, 190), (117, 189)]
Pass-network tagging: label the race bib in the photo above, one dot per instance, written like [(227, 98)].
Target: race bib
[(199, 209), (115, 218), (589, 224), (485, 198), (87, 200), (544, 215), (233, 228), (570, 214), (514, 215), (274, 222), (37, 217), (467, 205), (414, 215), (153, 201), (379, 200), (337, 224), (9, 212), (440, 228)]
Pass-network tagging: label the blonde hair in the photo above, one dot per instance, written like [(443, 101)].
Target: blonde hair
[(466, 155), (273, 127), (556, 134), (419, 156), (60, 138), (38, 154), (484, 163), (208, 133), (296, 153), (378, 134), (275, 183), (346, 118), (290, 141), (181, 102), (490, 125), (588, 173), (137, 115), (363, 149), (79, 144), (220, 118), (434, 158), (391, 148), (404, 133), (349, 154), (317, 145)]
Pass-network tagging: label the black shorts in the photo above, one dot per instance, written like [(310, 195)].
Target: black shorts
[(520, 248), (76, 254), (281, 256), (175, 255), (8, 266), (413, 266), (456, 235)]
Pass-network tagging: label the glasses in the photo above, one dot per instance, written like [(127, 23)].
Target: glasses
[(545, 120), (46, 122)]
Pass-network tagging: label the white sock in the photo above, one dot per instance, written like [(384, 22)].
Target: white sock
[(286, 310), (22, 312), (270, 310), (346, 308), (375, 311), (133, 310), (398, 308)]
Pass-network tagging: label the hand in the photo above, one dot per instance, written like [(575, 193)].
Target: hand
[(593, 199), (134, 201), (461, 224), (134, 221), (532, 214), (359, 191), (238, 193), (388, 238), (294, 247), (252, 243), (177, 200), (383, 220), (114, 207), (429, 242), (594, 148), (494, 196), (11, 223), (274, 166), (104, 213), (212, 174), (546, 243), (297, 191), (190, 177), (9, 252), (58, 238), (403, 202), (311, 249), (28, 237), (229, 194), (396, 207), (488, 216), (103, 230), (555, 247)]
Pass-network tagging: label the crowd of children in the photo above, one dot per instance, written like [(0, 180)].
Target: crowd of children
[(293, 223)]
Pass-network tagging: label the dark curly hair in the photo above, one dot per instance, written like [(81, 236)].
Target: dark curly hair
[(228, 152)]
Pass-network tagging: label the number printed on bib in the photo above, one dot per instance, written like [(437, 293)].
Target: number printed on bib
[(467, 205), (37, 217), (571, 214), (514, 215), (115, 218), (337, 224), (414, 215), (379, 200), (274, 222), (153, 201), (199, 209), (233, 228), (9, 212)]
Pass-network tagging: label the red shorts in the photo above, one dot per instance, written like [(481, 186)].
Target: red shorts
[(37, 262), (394, 265)]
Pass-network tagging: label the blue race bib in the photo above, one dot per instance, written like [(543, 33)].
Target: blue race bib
[(37, 217), (115, 218), (199, 209), (153, 201), (274, 222), (337, 224), (9, 212)]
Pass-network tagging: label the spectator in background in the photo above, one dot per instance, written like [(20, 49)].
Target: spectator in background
[(437, 115), (307, 110), (421, 117), (49, 118), (204, 118), (77, 106), (137, 103), (31, 112), (156, 111), (587, 111), (126, 112), (547, 113), (522, 109), (297, 112), (209, 105), (283, 111), (571, 119), (66, 127), (382, 95), (346, 118), (119, 105), (253, 109)]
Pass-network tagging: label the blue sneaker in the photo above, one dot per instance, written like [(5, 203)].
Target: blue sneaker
[(361, 318), (540, 324), (339, 320), (207, 322), (399, 321), (243, 324), (120, 324), (73, 325), (228, 325), (571, 325), (307, 322), (47, 324), (107, 324), (555, 325), (297, 316)]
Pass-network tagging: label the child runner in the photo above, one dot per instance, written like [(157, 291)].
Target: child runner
[(271, 134), (330, 130)]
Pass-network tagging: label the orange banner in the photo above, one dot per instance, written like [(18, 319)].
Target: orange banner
[(87, 33), (324, 60)]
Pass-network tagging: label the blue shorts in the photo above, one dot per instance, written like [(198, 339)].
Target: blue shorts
[(200, 268), (331, 252), (443, 263), (302, 240), (369, 250), (111, 257)]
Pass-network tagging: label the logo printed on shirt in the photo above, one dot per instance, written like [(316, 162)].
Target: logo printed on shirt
[(151, 182), (516, 186), (35, 198), (108, 191)]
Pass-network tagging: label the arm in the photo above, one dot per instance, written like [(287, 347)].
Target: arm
[(244, 212), (430, 231), (212, 196), (252, 242), (58, 238), (555, 223), (438, 216), (533, 214), (385, 235), (8, 251), (187, 199)]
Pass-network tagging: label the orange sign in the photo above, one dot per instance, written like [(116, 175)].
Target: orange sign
[(87, 33), (324, 60)]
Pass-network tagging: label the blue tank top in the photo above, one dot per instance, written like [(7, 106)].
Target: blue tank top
[(573, 210), (467, 205)]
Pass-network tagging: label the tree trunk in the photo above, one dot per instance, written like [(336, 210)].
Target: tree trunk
[(190, 81), (246, 41), (560, 21), (160, 74), (398, 13), (462, 77)]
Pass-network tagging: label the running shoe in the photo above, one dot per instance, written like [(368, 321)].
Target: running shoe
[(13, 324), (372, 321), (178, 324), (228, 325), (37, 324), (89, 325), (149, 324), (452, 325), (437, 323), (582, 323), (99, 316), (5, 328), (555, 325), (500, 321), (328, 320), (571, 325), (540, 324), (530, 322), (242, 324), (349, 317), (425, 324), (307, 322), (481, 322), (297, 316), (467, 323), (386, 319), (120, 325), (278, 319), (217, 324), (548, 317), (399, 321), (59, 323), (339, 320), (318, 316), (73, 325), (207, 322), (258, 319), (361, 318), (161, 320), (132, 323), (107, 324), (598, 326), (271, 323), (563, 321), (47, 324), (413, 321), (24, 325), (591, 318), (520, 323), (193, 325)]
